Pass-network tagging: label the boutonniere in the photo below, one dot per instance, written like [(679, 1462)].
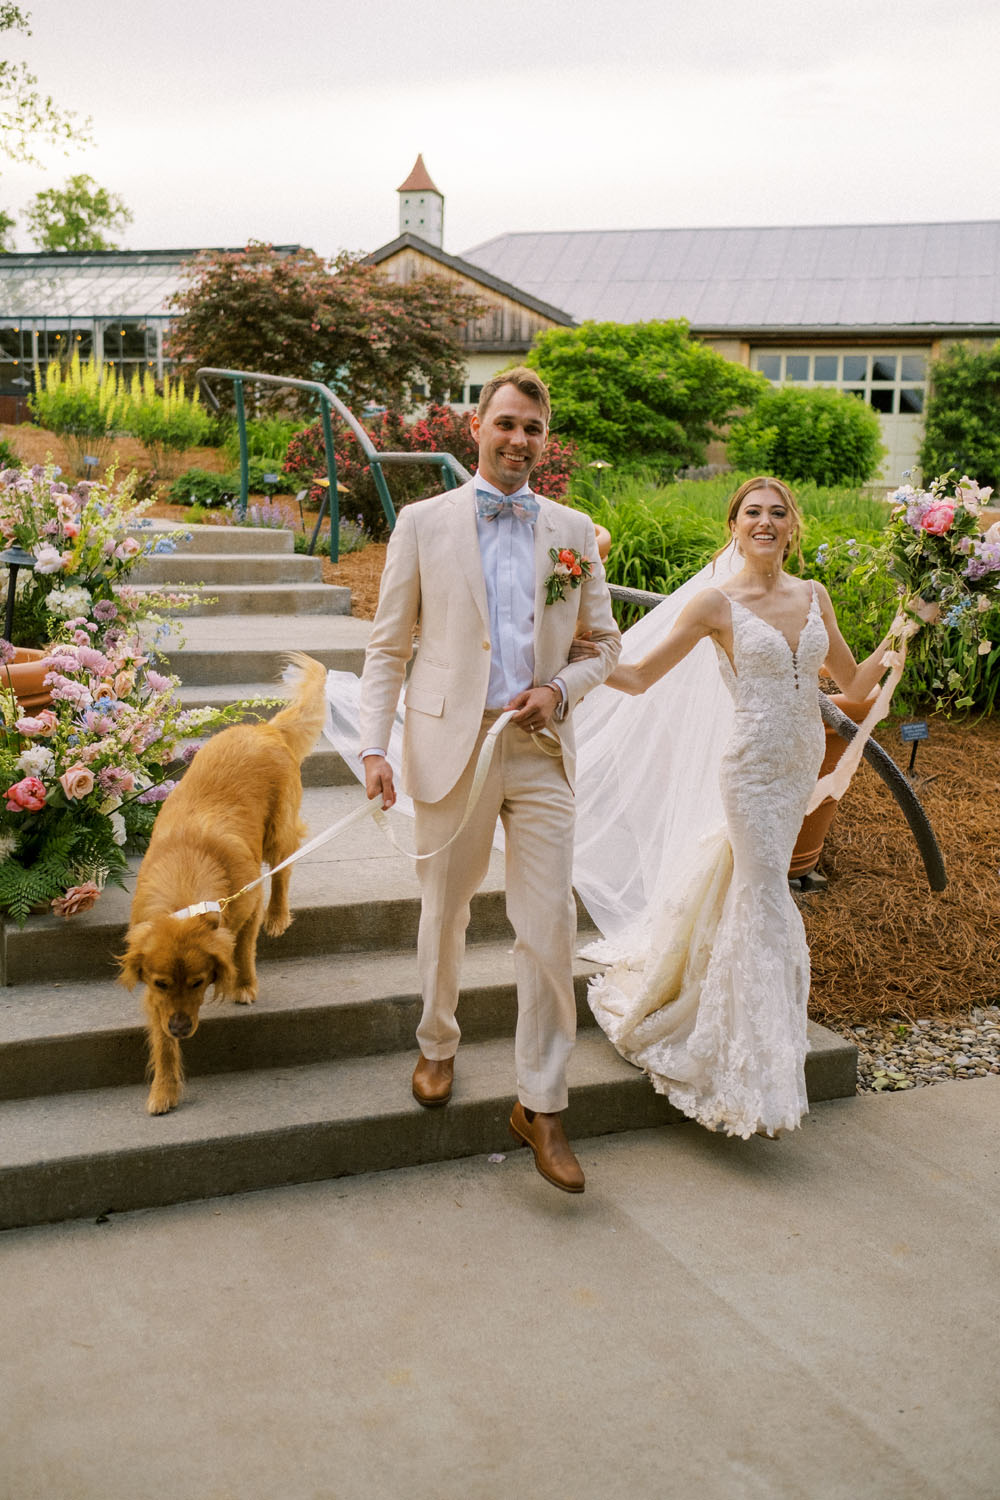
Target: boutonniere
[(570, 569)]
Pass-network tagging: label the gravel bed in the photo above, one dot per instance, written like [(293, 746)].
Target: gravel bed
[(898, 1054)]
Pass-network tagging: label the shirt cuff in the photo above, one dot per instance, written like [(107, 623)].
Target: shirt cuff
[(557, 682), (365, 754)]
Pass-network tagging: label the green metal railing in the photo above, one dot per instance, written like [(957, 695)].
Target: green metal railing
[(452, 472)]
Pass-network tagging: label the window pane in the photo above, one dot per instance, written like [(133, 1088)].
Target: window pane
[(912, 367), (884, 367), (825, 367), (133, 337), (855, 366), (475, 391), (10, 343), (82, 341), (853, 391), (882, 400), (769, 365), (911, 399), (796, 367)]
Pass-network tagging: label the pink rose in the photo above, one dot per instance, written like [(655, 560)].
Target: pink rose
[(938, 518), (26, 796), (78, 898), (41, 723), (77, 782)]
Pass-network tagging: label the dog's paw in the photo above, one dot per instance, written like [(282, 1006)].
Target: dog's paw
[(161, 1101), (275, 923), (245, 996)]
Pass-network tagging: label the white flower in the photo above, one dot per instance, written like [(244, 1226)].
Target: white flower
[(68, 602), (985, 647), (118, 832), (37, 760), (48, 560), (8, 843)]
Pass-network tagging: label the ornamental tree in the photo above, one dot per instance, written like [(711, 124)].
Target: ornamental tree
[(342, 322), (26, 115), (75, 216), (808, 433), (640, 393)]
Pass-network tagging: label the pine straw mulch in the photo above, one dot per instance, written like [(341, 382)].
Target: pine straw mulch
[(882, 943)]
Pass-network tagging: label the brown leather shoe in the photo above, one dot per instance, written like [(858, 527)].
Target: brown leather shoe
[(547, 1139), (432, 1081)]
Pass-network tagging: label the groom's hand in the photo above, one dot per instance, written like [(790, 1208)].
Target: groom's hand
[(378, 779), (535, 708)]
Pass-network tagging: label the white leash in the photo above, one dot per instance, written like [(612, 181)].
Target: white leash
[(373, 810)]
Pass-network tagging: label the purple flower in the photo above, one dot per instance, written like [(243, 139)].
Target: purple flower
[(105, 609), (157, 793), (7, 652)]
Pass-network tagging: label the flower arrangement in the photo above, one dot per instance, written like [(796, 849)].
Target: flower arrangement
[(82, 540), (934, 550), (569, 572), (80, 780)]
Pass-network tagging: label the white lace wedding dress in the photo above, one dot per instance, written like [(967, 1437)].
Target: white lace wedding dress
[(707, 990)]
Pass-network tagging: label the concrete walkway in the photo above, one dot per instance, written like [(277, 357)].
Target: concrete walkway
[(813, 1319)]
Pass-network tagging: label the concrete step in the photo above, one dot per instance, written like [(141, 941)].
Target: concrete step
[(270, 599), (69, 1036), (353, 894), (238, 656), (218, 538), (75, 1155), (190, 569)]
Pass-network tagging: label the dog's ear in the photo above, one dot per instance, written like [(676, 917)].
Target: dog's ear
[(130, 962), (219, 948)]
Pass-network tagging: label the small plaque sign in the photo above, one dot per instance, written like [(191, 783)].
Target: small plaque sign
[(270, 478), (915, 731)]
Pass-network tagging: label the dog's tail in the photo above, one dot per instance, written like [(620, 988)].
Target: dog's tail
[(301, 723)]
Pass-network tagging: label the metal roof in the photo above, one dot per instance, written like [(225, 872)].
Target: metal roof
[(100, 284), (823, 277)]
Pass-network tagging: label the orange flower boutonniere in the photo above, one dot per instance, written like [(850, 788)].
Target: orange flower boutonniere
[(569, 572)]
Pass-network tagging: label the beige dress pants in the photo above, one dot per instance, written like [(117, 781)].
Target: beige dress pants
[(528, 790)]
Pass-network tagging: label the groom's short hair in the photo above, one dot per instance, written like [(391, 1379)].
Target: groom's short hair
[(527, 382)]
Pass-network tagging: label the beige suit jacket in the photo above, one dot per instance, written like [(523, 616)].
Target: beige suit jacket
[(433, 580)]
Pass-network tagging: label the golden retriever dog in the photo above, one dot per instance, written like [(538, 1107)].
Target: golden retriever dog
[(237, 806)]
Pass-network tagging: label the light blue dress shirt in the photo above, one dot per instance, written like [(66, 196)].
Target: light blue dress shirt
[(507, 549)]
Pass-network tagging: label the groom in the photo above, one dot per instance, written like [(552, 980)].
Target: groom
[(469, 570)]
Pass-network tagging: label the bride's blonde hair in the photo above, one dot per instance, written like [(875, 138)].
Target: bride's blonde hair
[(767, 482)]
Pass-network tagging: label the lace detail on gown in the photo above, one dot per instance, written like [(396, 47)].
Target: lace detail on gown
[(708, 994)]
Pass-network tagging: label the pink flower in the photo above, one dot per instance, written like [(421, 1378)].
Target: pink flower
[(938, 518), (41, 723), (78, 898), (77, 782), (26, 796)]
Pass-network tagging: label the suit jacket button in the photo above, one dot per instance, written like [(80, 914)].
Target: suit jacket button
[(486, 645)]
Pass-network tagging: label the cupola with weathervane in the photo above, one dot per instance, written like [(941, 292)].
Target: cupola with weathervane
[(421, 206)]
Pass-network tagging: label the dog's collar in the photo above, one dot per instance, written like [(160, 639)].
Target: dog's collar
[(200, 909)]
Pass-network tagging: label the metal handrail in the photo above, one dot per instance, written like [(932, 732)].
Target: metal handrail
[(452, 472), (882, 762)]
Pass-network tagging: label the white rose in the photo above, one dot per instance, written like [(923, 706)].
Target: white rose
[(37, 760), (118, 832)]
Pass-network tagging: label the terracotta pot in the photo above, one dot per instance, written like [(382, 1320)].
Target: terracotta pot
[(26, 675), (809, 844)]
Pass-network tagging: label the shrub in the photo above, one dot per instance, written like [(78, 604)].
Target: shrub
[(441, 430), (809, 433), (166, 421), (962, 430), (84, 405), (8, 458), (203, 487), (640, 393)]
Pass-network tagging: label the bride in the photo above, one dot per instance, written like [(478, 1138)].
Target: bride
[(685, 835)]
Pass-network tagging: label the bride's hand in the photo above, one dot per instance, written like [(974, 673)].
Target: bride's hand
[(583, 648), (905, 626)]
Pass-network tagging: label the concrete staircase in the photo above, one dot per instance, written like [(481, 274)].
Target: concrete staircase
[(313, 1081)]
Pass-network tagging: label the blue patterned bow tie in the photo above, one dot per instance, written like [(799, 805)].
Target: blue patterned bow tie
[(523, 506)]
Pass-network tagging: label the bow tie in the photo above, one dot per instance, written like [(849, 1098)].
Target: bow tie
[(523, 506)]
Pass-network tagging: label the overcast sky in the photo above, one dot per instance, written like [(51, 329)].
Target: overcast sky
[(294, 121)]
